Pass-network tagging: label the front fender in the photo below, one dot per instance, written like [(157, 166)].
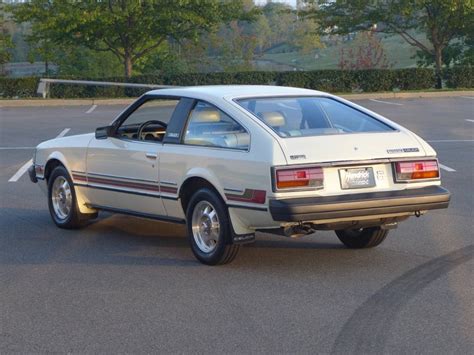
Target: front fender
[(56, 155), (71, 166)]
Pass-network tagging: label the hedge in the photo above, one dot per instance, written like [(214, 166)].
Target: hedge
[(459, 77), (325, 80), (18, 87)]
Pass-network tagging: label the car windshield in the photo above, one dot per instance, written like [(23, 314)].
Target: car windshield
[(310, 116)]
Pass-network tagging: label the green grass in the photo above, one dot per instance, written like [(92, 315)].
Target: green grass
[(399, 53)]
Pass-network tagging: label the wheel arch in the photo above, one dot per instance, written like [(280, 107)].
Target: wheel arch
[(194, 182), (56, 159)]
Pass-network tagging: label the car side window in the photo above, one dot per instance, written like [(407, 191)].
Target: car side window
[(209, 126), (151, 118)]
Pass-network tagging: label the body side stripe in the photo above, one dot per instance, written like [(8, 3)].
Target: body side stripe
[(249, 195)]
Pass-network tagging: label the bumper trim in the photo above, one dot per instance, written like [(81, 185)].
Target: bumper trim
[(358, 205), (32, 174)]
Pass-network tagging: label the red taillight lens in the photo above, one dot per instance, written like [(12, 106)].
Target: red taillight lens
[(415, 170), (297, 178)]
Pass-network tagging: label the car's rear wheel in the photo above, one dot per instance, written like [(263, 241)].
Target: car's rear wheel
[(362, 238), (209, 231), (62, 200)]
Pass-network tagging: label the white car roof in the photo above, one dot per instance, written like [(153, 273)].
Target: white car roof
[(234, 91)]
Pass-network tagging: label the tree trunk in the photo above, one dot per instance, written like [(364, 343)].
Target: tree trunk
[(438, 52), (128, 65)]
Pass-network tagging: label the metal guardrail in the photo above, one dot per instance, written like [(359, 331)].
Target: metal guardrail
[(44, 85)]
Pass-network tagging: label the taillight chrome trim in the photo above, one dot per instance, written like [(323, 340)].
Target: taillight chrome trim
[(274, 170), (411, 181)]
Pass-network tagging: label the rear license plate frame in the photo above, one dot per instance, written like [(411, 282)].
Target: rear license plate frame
[(364, 180)]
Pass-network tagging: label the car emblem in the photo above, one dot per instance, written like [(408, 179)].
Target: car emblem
[(402, 150), (299, 156)]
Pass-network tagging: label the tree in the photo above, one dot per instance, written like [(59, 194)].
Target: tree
[(43, 49), (6, 44), (262, 31), (305, 37), (130, 29), (441, 20), (366, 53), (82, 62), (281, 19)]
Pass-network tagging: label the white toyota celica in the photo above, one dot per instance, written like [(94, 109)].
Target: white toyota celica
[(230, 160)]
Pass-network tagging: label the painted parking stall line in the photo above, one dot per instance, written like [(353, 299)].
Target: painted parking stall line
[(470, 120), (91, 109), (63, 132), (447, 168), (16, 148), (21, 171), (450, 140), (386, 102), (25, 166)]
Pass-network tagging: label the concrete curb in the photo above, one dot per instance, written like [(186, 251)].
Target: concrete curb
[(64, 102), (127, 101), (408, 95)]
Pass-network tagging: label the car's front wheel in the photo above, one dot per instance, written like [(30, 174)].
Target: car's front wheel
[(62, 200), (362, 238), (209, 230)]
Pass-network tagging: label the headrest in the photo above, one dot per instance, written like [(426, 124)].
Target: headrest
[(273, 119), (206, 114)]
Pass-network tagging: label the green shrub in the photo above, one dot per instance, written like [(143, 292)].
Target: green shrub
[(18, 87), (324, 80), (459, 77), (374, 80), (414, 79)]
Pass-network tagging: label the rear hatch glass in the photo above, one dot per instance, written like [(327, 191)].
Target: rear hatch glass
[(311, 116)]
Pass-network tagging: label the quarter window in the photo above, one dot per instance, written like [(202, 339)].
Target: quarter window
[(209, 126)]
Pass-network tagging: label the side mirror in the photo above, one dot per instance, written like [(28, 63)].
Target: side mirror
[(103, 132)]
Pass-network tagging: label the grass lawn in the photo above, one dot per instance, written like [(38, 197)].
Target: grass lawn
[(399, 53)]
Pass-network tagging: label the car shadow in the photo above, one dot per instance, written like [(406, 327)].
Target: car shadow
[(30, 237)]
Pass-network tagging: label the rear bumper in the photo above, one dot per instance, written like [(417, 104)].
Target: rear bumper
[(358, 205)]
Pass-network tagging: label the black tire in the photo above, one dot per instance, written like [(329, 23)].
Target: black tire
[(74, 218), (223, 251), (363, 238)]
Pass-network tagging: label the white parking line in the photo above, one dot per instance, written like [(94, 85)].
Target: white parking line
[(25, 166), (447, 168), (468, 97), (450, 140), (93, 107), (470, 120), (63, 132), (21, 171), (385, 102)]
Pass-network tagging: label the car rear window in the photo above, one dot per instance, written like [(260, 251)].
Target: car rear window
[(311, 116)]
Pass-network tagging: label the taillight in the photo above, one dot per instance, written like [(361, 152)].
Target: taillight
[(310, 177), (416, 170)]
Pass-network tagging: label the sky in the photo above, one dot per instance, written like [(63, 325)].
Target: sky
[(263, 2)]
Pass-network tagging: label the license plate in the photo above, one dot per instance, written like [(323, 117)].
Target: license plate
[(356, 178)]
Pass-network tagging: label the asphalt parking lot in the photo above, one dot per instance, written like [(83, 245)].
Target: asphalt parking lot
[(129, 285)]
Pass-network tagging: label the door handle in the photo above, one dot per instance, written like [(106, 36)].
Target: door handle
[(151, 156)]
